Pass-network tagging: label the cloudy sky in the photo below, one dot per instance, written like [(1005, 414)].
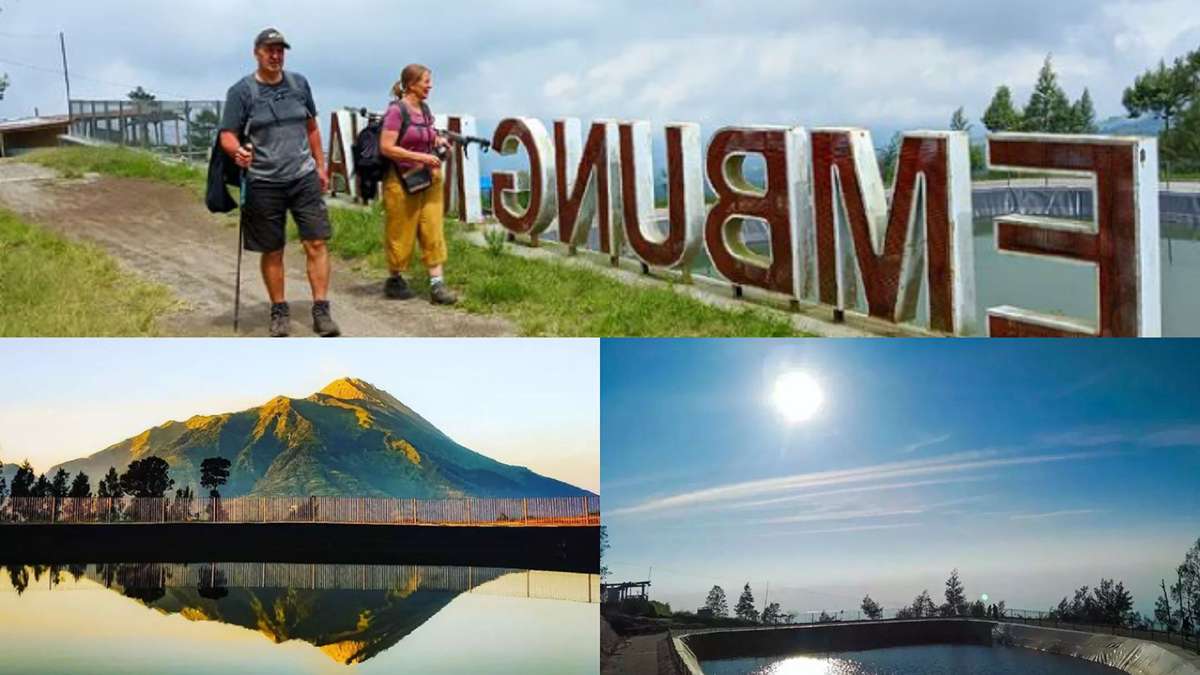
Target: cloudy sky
[(1034, 467), (883, 65), (533, 403)]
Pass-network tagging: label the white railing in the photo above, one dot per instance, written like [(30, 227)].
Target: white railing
[(532, 511)]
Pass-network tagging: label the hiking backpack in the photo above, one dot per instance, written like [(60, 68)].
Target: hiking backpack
[(370, 166)]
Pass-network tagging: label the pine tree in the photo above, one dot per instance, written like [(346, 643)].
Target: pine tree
[(41, 488), (889, 156), (81, 486), (1162, 93), (23, 480), (1048, 110), (110, 485), (871, 609), (1181, 143), (745, 606), (772, 613), (958, 121), (59, 487), (922, 606), (3, 85), (1000, 114), (956, 600), (716, 603), (1083, 115)]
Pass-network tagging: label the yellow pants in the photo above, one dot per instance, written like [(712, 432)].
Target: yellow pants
[(413, 219)]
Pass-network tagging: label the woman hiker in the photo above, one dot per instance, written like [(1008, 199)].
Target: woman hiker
[(412, 190)]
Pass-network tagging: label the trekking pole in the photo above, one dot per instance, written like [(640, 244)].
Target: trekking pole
[(237, 293)]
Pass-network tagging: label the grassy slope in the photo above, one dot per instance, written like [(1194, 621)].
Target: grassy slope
[(546, 298), (53, 287), (541, 297)]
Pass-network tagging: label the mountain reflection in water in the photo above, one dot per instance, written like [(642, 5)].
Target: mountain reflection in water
[(457, 619)]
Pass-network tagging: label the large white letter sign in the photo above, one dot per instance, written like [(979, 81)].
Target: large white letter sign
[(1122, 242), (461, 184), (512, 133), (782, 205), (933, 178), (591, 194), (685, 193), (343, 129)]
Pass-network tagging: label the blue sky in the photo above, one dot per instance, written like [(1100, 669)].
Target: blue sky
[(1032, 466), (883, 65), (529, 402)]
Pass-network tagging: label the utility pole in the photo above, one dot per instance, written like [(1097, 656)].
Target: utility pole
[(62, 43)]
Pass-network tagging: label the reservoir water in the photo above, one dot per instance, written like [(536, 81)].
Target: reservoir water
[(1055, 286), (287, 618), (922, 660)]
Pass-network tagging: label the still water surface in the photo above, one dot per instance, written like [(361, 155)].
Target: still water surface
[(923, 660), (275, 618)]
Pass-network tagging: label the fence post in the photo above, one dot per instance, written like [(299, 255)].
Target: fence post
[(414, 509), (525, 509), (468, 510)]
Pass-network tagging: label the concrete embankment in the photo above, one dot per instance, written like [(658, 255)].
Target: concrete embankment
[(1137, 657), (558, 549)]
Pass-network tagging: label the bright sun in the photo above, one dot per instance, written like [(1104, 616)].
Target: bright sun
[(797, 396)]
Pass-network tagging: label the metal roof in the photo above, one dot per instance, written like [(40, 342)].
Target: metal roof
[(33, 123)]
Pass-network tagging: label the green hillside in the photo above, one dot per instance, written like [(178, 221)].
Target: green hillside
[(349, 439)]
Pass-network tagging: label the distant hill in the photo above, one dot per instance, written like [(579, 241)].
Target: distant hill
[(349, 439), (7, 471), (1124, 126)]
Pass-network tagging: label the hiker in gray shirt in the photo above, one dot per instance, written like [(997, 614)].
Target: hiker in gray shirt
[(269, 128)]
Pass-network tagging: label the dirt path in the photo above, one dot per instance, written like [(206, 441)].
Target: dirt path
[(638, 655), (163, 233)]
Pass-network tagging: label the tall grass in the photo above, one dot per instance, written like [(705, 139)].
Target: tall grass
[(51, 287)]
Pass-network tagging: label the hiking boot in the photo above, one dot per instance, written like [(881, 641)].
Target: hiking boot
[(281, 319), (439, 294), (396, 288), (323, 323)]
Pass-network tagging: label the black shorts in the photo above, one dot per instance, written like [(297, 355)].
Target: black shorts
[(264, 218)]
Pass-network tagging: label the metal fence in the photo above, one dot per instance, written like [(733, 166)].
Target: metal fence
[(1152, 631), (350, 510), (183, 128), (495, 581)]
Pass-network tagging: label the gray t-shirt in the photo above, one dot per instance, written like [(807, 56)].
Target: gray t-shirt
[(278, 119)]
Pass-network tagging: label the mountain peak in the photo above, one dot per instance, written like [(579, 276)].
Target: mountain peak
[(353, 388)]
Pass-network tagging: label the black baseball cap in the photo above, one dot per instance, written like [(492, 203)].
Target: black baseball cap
[(271, 36)]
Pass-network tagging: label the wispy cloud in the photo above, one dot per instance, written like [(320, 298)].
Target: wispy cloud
[(924, 443), (847, 514), (961, 462), (1174, 437), (805, 496), (851, 528), (1084, 438), (1083, 384), (1055, 514)]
